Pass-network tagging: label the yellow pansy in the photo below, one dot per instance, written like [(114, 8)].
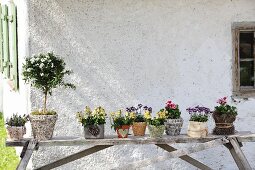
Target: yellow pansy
[(147, 115), (132, 115)]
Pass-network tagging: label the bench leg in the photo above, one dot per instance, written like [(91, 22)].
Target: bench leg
[(237, 154), (26, 154)]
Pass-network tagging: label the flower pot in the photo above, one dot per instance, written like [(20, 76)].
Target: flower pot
[(197, 129), (173, 126), (223, 124), (156, 131), (94, 131), (123, 131), (16, 132), (139, 128), (43, 126)]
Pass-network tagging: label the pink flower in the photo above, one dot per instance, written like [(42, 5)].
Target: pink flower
[(173, 106), (222, 101)]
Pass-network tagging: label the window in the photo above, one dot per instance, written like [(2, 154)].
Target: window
[(244, 59)]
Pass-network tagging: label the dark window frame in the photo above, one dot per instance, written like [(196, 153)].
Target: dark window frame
[(237, 28)]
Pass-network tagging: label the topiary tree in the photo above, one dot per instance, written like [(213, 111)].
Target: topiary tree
[(45, 72)]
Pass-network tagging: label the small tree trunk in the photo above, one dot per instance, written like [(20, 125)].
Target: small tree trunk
[(45, 102)]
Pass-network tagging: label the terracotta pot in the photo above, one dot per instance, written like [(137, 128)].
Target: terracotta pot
[(123, 131), (197, 129), (223, 123), (16, 132), (156, 131), (173, 126), (94, 132), (43, 126), (139, 128)]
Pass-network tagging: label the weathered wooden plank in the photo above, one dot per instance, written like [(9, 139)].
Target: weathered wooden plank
[(24, 161), (239, 154), (175, 154), (73, 157), (113, 140), (186, 158)]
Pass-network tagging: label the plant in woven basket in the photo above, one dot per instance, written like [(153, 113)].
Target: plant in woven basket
[(16, 126), (224, 115), (139, 122), (93, 122), (45, 72), (198, 121)]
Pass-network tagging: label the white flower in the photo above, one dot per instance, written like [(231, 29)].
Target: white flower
[(41, 65), (42, 74), (52, 65), (32, 60)]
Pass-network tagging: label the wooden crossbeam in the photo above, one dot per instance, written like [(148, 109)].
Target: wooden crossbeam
[(175, 154), (73, 157), (186, 158), (27, 154)]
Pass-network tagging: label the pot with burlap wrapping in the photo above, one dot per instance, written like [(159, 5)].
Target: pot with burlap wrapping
[(197, 129), (224, 116), (223, 123)]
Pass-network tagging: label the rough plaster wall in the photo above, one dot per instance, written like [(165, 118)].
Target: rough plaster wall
[(128, 52)]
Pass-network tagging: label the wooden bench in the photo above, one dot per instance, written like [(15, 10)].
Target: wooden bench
[(232, 142)]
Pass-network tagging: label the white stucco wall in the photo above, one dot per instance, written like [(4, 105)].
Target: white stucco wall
[(17, 101), (129, 52)]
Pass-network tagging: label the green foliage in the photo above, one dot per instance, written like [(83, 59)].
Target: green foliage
[(199, 118), (226, 109), (45, 72), (139, 118), (117, 119), (156, 121), (17, 120), (173, 113), (172, 110), (97, 117), (8, 158), (48, 112)]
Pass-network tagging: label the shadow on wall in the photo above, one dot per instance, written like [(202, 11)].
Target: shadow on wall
[(97, 80)]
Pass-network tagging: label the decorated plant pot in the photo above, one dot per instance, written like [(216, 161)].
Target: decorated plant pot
[(223, 124), (139, 128), (156, 131), (197, 129), (43, 126), (123, 131), (173, 126), (94, 132), (16, 132)]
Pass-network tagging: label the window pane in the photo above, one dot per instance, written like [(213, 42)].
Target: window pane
[(246, 73), (246, 45)]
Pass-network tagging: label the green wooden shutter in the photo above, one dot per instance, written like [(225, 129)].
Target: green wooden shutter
[(13, 44), (1, 44), (6, 63)]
